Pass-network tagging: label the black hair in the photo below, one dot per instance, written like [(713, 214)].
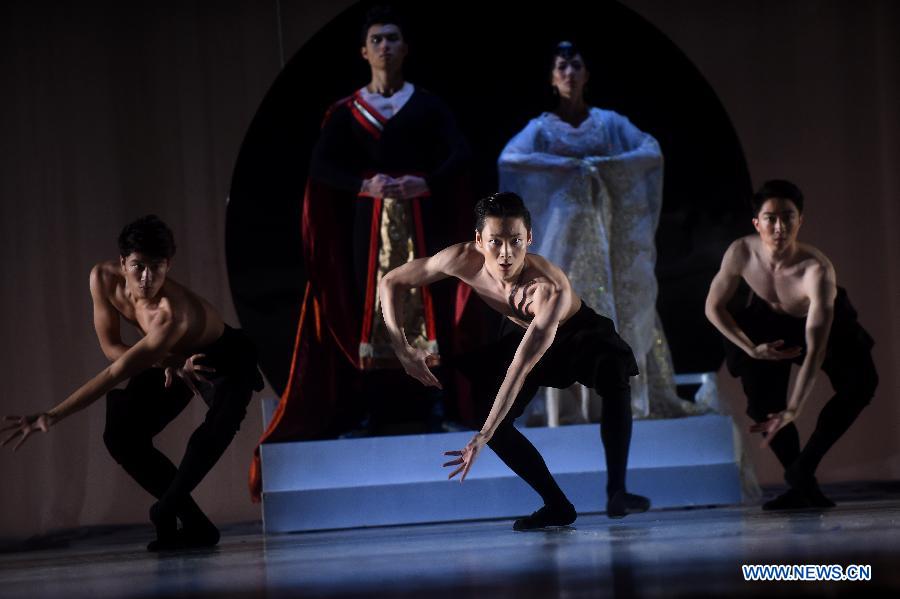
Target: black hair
[(147, 235), (503, 204), (381, 15), (776, 188), (568, 51)]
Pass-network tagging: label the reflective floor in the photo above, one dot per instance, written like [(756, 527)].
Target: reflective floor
[(660, 553)]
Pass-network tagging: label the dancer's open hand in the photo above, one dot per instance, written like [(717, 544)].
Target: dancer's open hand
[(414, 362), (190, 373), (776, 351), (466, 456), (769, 428), (24, 426)]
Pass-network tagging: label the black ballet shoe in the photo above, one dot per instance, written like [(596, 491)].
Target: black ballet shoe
[(200, 536), (817, 498), (196, 525), (166, 529), (172, 543), (807, 485), (546, 517), (186, 539), (620, 504), (792, 499)]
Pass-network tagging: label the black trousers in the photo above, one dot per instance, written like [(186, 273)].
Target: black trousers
[(586, 350), (136, 414), (848, 365)]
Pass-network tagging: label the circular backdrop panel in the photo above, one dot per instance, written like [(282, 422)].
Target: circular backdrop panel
[(490, 62)]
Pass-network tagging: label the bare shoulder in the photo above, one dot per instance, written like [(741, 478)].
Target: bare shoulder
[(177, 301), (458, 251), (105, 278), (187, 308), (546, 274), (462, 260), (816, 268), (546, 290), (739, 253), (166, 313), (816, 258)]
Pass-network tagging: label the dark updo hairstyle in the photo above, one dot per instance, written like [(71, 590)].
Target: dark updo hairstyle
[(381, 15), (776, 188), (149, 236), (503, 204), (567, 50)]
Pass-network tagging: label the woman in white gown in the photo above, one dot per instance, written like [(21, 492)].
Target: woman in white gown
[(593, 184)]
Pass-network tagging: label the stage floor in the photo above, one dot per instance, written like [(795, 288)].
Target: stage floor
[(676, 552)]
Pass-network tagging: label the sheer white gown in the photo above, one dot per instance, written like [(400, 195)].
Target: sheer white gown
[(594, 192)]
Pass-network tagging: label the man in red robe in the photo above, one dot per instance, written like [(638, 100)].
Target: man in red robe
[(384, 189)]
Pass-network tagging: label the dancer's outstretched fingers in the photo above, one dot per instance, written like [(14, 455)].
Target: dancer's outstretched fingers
[(16, 422), (9, 438), (25, 435)]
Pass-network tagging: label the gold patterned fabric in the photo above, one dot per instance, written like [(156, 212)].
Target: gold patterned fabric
[(396, 245)]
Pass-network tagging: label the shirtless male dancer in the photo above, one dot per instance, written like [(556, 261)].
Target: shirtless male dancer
[(558, 341), (795, 314), (184, 343)]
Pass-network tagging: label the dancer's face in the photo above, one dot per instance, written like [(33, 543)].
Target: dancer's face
[(504, 243), (569, 76), (385, 48), (144, 274), (778, 223)]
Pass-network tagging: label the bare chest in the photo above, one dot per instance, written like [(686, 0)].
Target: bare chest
[(518, 303), (141, 317), (515, 303), (128, 312), (783, 292)]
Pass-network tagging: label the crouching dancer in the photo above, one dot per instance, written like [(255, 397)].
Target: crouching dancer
[(558, 341), (185, 345), (795, 314)]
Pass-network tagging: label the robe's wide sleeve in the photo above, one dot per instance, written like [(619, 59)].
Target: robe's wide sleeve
[(555, 188), (633, 170), (334, 162), (523, 154), (451, 140), (630, 183)]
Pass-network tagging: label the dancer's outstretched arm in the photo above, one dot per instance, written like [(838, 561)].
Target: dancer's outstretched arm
[(416, 273), (721, 290), (549, 306), (163, 333)]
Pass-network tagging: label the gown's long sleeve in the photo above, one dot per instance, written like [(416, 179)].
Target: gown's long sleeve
[(595, 194)]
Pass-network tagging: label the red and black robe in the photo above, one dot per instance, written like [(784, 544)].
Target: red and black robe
[(342, 233)]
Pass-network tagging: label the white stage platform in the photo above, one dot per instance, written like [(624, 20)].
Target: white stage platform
[(377, 481)]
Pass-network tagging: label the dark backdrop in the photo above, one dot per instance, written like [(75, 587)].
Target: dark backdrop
[(491, 64), (112, 109)]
